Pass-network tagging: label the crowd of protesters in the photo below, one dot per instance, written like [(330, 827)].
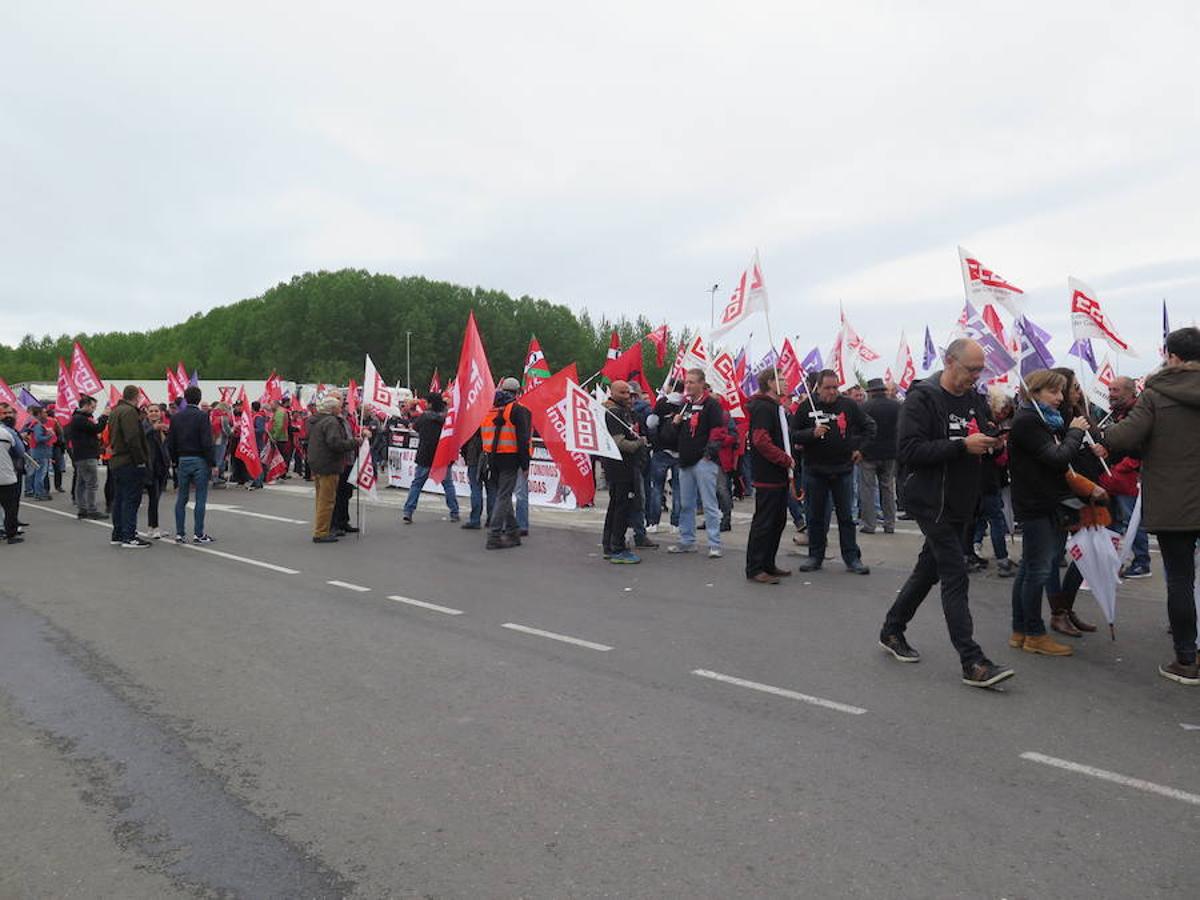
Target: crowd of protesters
[(960, 463)]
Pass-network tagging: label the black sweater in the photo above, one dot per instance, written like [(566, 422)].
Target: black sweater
[(191, 435), (1038, 465), (849, 429), (698, 435)]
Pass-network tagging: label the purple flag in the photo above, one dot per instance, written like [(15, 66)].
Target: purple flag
[(996, 356), (27, 399), (930, 352), (1034, 352), (194, 381), (812, 362), (1083, 349), (1166, 328)]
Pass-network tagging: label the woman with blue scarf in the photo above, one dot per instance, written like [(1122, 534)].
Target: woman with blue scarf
[(1041, 449)]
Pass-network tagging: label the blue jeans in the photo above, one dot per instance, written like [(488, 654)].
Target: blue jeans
[(1040, 542), (191, 470), (521, 499), (128, 484), (662, 464), (418, 482), (1141, 541), (820, 493), (476, 494), (701, 480), (37, 479), (991, 514)]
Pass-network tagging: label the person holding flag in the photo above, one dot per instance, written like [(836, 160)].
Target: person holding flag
[(1161, 429), (429, 428), (506, 435), (770, 472), (328, 445), (697, 432)]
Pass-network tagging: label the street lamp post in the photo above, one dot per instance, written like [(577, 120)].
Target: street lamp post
[(408, 360), (712, 306)]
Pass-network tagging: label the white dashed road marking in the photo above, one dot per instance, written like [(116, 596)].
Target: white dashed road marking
[(425, 605), (781, 692), (244, 559), (348, 586), (565, 638)]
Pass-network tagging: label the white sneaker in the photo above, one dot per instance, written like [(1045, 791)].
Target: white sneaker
[(715, 553), (156, 534), (674, 529), (652, 529), (979, 550)]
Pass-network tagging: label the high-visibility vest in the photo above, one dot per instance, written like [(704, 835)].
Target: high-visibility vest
[(502, 439)]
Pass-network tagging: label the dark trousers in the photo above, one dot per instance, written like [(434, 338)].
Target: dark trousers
[(1179, 559), (766, 528), (10, 502), (153, 494), (502, 519), (941, 559), (616, 519), (820, 491), (1041, 544), (341, 506), (128, 482)]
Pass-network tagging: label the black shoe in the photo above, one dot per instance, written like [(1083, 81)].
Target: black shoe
[(471, 526), (809, 564), (975, 563), (985, 674), (98, 516), (15, 539), (646, 544), (349, 529), (407, 520), (858, 567), (524, 532), (725, 526), (338, 532), (896, 645), (328, 539)]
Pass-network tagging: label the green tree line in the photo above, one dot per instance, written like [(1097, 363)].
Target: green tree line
[(317, 327)]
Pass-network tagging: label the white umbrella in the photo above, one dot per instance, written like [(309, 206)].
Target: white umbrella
[(1094, 552)]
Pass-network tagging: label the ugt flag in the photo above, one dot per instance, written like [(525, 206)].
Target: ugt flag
[(1088, 319), (983, 286), (470, 399)]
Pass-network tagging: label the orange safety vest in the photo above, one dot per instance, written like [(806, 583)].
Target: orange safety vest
[(503, 439)]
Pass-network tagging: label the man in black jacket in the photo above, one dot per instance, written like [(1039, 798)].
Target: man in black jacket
[(83, 440), (429, 431), (190, 443), (942, 437), (664, 458), (877, 471), (770, 466), (621, 474), (696, 430), (833, 438)]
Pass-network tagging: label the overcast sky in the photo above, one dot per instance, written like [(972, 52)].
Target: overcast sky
[(162, 159)]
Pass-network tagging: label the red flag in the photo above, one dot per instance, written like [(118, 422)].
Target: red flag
[(435, 383), (992, 320), (273, 390), (227, 393), (174, 388), (181, 376), (536, 368), (68, 395), (272, 461), (470, 399), (658, 337), (114, 397), (143, 398), (614, 345), (546, 409), (788, 365), (247, 447), (83, 373), (352, 401), (628, 367), (7, 395)]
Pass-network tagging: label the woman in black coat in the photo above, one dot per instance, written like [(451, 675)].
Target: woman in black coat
[(1041, 449), (158, 465)]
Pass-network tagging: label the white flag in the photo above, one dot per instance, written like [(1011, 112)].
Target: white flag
[(1088, 319), (587, 428), (362, 473), (905, 370), (1097, 388), (723, 381), (750, 296), (1094, 552), (983, 286), (376, 392), (695, 356)]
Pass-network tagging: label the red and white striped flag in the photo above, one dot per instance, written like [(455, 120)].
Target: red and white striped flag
[(83, 373)]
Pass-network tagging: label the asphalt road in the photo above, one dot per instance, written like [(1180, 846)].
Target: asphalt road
[(538, 723)]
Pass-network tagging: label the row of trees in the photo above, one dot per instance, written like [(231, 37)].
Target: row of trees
[(317, 327)]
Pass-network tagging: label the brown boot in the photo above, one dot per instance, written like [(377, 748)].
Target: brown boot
[(1016, 640), (1079, 623), (1045, 645), (1060, 621)]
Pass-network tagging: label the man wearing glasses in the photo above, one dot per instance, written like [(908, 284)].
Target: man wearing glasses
[(943, 433)]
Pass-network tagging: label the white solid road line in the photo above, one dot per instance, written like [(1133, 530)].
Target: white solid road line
[(348, 586), (1114, 777), (238, 511), (424, 605), (245, 559), (565, 638), (781, 692)]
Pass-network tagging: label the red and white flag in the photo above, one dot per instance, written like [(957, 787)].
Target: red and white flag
[(905, 366), (853, 345), (628, 367), (181, 377), (470, 399), (749, 297), (658, 337), (273, 462), (247, 447), (722, 378), (363, 474), (174, 387), (675, 372), (587, 430), (352, 401), (67, 399), (227, 392), (1088, 319), (614, 345), (536, 368), (114, 397), (983, 286), (547, 407), (273, 390), (837, 357), (9, 397), (83, 373), (376, 392), (1097, 386), (695, 356), (435, 382), (788, 365)]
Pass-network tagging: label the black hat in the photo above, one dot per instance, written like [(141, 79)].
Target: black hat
[(876, 385)]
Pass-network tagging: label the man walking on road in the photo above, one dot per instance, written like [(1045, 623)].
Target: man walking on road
[(620, 474), (328, 445), (942, 439), (190, 444), (127, 468), (769, 468), (877, 471), (832, 445)]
